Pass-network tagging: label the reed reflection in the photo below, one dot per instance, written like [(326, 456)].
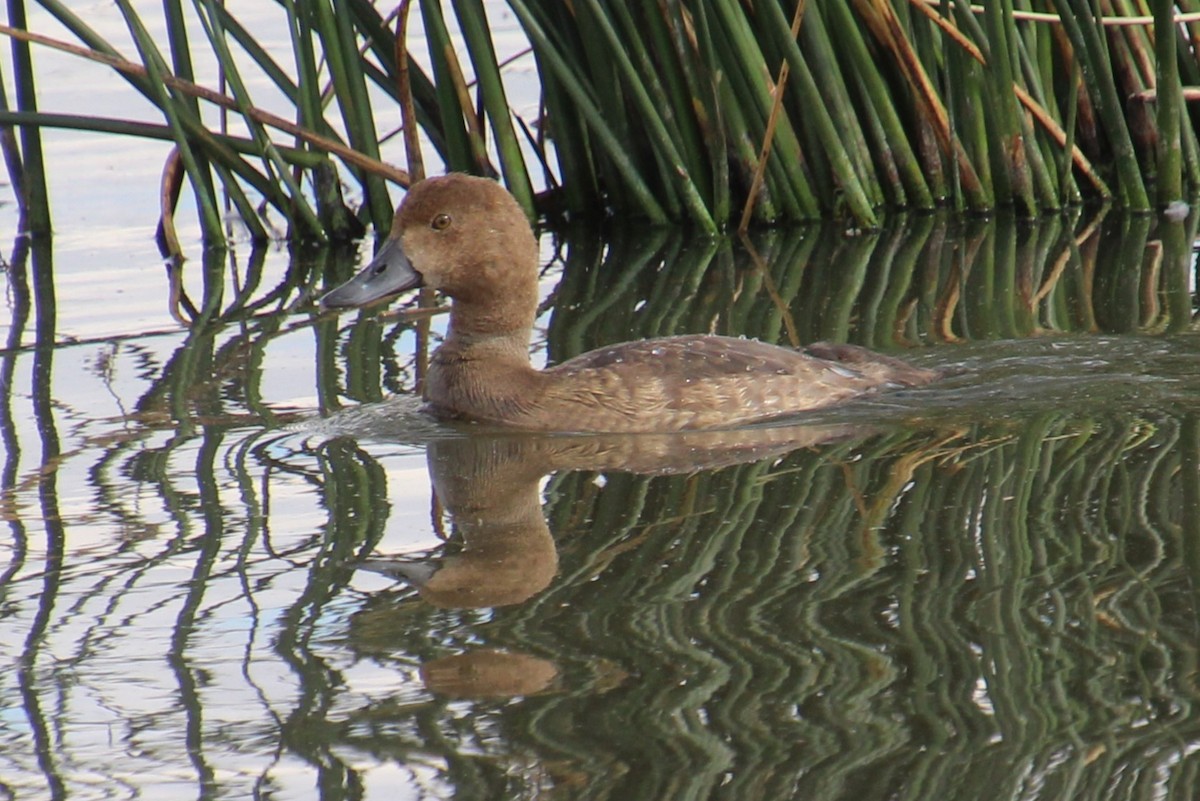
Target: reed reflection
[(996, 584), (975, 592)]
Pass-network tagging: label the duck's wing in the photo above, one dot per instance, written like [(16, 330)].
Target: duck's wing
[(697, 357), (709, 381), (883, 369), (702, 358)]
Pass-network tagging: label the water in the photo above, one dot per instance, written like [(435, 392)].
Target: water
[(224, 573)]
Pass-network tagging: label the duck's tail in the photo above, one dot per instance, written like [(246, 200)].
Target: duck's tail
[(884, 369)]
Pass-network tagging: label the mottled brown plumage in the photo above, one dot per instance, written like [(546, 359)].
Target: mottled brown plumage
[(468, 238)]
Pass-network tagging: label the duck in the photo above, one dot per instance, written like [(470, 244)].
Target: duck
[(469, 239)]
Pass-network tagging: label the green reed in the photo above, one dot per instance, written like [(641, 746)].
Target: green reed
[(887, 103), (25, 159), (705, 112)]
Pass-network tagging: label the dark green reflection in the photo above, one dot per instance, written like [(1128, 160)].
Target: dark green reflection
[(965, 606), (930, 278), (940, 612)]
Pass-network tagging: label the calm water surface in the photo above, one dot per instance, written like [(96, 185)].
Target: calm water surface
[(236, 560), (239, 561)]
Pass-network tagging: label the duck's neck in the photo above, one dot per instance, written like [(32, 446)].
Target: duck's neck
[(482, 371), (491, 332)]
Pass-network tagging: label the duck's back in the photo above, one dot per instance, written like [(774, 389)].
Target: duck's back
[(695, 382)]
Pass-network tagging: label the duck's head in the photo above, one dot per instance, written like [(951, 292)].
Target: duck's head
[(459, 234)]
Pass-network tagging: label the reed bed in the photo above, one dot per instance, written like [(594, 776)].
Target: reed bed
[(717, 113), (782, 111)]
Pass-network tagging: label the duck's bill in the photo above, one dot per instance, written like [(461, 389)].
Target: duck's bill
[(388, 274)]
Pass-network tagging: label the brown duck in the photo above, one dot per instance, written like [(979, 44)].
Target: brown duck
[(467, 238)]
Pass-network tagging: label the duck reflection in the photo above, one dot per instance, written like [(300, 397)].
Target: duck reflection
[(502, 552), (488, 673)]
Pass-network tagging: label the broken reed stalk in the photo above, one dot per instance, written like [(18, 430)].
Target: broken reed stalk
[(773, 120)]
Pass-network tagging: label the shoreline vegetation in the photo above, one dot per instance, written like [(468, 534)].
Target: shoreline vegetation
[(715, 113)]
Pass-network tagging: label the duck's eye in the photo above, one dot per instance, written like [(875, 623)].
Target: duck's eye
[(441, 222)]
